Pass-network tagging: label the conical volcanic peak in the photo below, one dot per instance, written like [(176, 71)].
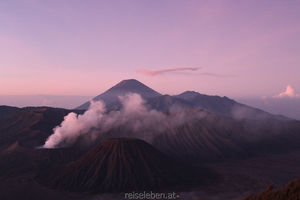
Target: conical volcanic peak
[(111, 96), (134, 85), (118, 165)]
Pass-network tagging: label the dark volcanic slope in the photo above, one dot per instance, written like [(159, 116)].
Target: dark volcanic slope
[(111, 96), (6, 111), (17, 160), (290, 192), (29, 126), (216, 137), (118, 165)]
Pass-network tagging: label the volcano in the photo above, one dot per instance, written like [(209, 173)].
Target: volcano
[(118, 165), (112, 95)]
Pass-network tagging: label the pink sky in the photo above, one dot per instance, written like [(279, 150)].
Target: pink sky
[(242, 48)]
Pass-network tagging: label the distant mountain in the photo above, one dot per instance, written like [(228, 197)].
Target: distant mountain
[(224, 106), (186, 100), (167, 103), (111, 96), (58, 101), (215, 104), (120, 165)]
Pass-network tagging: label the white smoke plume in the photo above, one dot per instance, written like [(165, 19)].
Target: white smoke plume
[(74, 125), (133, 118)]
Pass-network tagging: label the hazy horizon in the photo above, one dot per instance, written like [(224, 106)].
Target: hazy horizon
[(286, 103)]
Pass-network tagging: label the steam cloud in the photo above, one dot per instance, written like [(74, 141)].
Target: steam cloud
[(289, 92), (134, 118)]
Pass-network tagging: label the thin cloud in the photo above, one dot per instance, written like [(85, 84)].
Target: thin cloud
[(180, 70), (215, 75), (164, 71), (289, 92)]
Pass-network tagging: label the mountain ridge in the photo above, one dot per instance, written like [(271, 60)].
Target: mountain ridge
[(185, 100)]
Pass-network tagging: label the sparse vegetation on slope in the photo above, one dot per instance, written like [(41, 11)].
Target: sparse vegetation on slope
[(290, 192)]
